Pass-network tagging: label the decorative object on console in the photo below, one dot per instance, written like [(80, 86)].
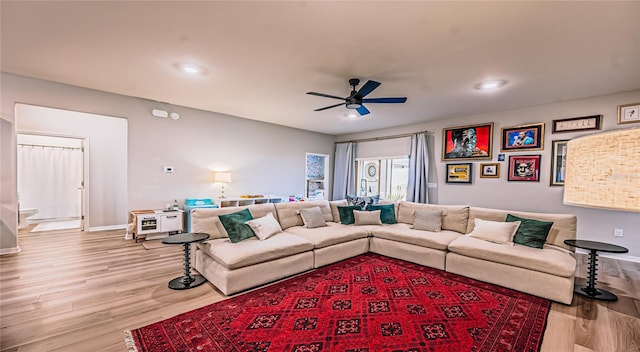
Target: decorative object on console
[(586, 123), (629, 113), (467, 142), (524, 168), (222, 177), (524, 137), (460, 173)]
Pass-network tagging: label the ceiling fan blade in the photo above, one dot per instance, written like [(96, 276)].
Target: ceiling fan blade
[(325, 95), (385, 100), (329, 107), (362, 110), (368, 88)]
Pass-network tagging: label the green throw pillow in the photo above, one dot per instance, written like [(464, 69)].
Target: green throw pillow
[(531, 233), (346, 214), (235, 225), (387, 212)]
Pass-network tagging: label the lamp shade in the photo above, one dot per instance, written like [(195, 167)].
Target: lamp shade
[(224, 177), (603, 170)]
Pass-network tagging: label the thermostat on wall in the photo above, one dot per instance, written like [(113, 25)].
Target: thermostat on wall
[(168, 169)]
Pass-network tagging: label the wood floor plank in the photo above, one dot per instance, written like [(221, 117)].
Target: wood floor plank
[(77, 291)]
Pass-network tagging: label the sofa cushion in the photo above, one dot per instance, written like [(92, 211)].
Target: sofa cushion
[(454, 217), (367, 217), (265, 226), (428, 220), (288, 214), (235, 226), (312, 217), (387, 212), (334, 233), (495, 231), (206, 219), (404, 233), (531, 232), (334, 204), (547, 260), (253, 251), (346, 214)]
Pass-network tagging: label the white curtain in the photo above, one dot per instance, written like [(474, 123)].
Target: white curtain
[(344, 171), (418, 169), (48, 180)]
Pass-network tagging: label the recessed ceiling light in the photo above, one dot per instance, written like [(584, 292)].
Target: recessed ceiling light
[(490, 84), (190, 69)]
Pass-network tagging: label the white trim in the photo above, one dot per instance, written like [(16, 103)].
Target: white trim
[(107, 228), (13, 250), (625, 257)]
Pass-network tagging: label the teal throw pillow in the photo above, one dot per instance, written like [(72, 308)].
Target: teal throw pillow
[(346, 214), (387, 212), (531, 233), (235, 225)]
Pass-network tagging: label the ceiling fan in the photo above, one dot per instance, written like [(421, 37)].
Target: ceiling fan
[(356, 98)]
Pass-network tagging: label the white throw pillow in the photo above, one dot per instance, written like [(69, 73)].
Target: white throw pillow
[(495, 231), (364, 217), (428, 220), (265, 226), (312, 217)]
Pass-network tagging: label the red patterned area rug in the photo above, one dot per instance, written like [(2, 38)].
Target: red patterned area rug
[(366, 303)]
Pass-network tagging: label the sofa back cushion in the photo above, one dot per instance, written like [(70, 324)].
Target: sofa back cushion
[(564, 225), (454, 217), (334, 204), (206, 219), (288, 212)]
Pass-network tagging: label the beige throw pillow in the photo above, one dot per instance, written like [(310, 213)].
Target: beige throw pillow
[(312, 217), (265, 226), (495, 231), (428, 220), (364, 217)]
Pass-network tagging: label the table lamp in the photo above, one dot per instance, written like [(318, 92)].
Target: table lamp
[(222, 177)]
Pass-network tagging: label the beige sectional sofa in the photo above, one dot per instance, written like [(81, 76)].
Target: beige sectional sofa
[(234, 267)]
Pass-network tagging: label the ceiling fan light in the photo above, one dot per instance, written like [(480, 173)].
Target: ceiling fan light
[(490, 84), (353, 105)]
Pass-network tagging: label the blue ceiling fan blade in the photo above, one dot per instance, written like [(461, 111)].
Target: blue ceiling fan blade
[(362, 110), (368, 88), (384, 100)]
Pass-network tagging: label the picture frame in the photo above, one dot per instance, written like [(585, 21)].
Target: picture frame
[(524, 168), (558, 162), (585, 123), (628, 113), (467, 142), (523, 137), (490, 170), (460, 173)]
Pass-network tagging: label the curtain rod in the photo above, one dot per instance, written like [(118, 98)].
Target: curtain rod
[(48, 146), (383, 138)]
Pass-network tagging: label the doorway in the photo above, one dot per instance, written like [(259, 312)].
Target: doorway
[(50, 179)]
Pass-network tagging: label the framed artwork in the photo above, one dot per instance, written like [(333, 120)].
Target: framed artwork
[(467, 142), (586, 123), (558, 162), (629, 113), (524, 168), (525, 137), (490, 170), (459, 173)]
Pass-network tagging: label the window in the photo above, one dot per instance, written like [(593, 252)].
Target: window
[(386, 177)]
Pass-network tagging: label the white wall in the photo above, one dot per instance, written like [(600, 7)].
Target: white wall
[(8, 185), (263, 158), (593, 224)]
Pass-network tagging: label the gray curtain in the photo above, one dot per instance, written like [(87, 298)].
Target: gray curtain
[(344, 171), (418, 169)]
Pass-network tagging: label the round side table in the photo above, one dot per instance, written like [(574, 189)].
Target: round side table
[(594, 247), (187, 281)]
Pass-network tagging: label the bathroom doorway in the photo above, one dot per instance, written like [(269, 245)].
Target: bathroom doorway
[(50, 179)]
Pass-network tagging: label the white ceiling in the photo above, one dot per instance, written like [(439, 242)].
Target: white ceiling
[(262, 57)]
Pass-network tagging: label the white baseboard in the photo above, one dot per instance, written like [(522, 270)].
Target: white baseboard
[(628, 258), (107, 228), (13, 250)]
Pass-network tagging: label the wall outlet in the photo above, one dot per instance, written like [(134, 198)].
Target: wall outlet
[(168, 169), (618, 233)]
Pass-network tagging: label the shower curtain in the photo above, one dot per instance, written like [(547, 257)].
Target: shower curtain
[(49, 179)]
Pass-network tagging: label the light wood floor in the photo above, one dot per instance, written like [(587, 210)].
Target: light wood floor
[(78, 291)]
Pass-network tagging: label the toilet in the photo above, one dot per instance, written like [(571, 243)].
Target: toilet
[(24, 214)]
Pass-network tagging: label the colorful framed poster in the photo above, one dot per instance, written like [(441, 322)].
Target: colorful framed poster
[(525, 137), (629, 113), (490, 170), (459, 173), (586, 123), (467, 142), (524, 168), (558, 162)]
